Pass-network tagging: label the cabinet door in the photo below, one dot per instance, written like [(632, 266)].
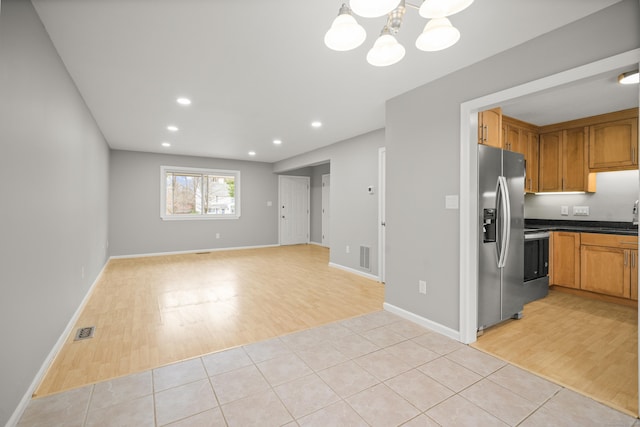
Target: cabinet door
[(531, 186), (614, 145), (574, 160), (634, 274), (606, 270), (565, 259), (490, 127), (550, 176)]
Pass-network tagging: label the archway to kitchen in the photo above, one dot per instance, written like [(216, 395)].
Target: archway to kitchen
[(469, 172)]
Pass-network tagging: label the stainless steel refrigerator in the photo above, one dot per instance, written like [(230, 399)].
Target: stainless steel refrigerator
[(501, 177)]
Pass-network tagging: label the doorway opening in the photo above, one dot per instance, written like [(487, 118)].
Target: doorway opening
[(469, 227)]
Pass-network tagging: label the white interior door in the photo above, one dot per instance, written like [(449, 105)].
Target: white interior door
[(294, 209), (382, 216), (326, 179)]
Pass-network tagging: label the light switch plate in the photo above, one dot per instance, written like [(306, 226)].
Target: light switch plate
[(564, 210), (581, 210)]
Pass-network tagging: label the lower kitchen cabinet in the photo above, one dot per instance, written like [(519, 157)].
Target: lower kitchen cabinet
[(634, 274), (565, 259), (606, 264), (605, 270)]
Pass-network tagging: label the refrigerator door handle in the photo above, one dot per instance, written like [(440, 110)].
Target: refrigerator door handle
[(507, 221), (503, 221)]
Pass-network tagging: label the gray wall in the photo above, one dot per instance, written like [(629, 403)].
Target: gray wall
[(612, 201), (134, 207), (354, 212), (54, 183), (423, 154)]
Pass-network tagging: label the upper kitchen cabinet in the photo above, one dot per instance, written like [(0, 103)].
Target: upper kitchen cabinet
[(563, 161), (522, 137), (490, 127), (613, 145)]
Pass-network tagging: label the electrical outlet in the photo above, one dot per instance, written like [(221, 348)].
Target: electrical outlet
[(564, 210), (581, 210), (348, 249), (422, 287), (217, 235)]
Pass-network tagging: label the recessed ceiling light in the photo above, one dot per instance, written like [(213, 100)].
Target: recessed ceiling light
[(166, 144), (277, 141), (316, 124), (183, 101), (629, 78), (172, 128), (252, 153)]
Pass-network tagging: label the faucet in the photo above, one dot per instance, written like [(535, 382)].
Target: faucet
[(635, 213)]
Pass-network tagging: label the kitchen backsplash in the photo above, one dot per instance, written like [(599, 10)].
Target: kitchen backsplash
[(613, 200)]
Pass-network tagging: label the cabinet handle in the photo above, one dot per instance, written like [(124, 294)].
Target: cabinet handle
[(633, 155), (484, 133)]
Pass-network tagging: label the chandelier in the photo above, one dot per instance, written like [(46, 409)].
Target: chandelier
[(346, 34)]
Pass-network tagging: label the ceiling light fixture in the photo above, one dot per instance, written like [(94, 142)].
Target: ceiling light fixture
[(183, 101), (277, 141), (316, 124), (252, 153), (166, 144), (346, 34), (172, 128), (629, 78)]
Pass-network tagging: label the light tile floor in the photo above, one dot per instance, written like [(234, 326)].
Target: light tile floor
[(372, 370)]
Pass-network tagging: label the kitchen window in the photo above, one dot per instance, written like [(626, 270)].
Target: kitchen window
[(190, 193)]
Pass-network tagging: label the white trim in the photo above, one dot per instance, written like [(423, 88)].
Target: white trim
[(317, 244), (354, 271), (422, 321), (26, 398), (468, 172), (204, 171), (193, 251), (381, 213)]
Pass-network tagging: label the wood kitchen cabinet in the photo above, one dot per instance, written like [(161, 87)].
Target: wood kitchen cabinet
[(565, 259), (634, 274), (522, 137), (563, 161), (532, 161), (609, 265), (614, 145), (490, 127)]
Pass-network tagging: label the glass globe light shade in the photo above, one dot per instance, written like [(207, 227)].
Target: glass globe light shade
[(385, 51), (373, 8), (441, 8), (438, 34), (345, 33)]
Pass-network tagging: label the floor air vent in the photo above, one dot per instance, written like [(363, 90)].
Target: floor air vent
[(365, 252), (84, 333)]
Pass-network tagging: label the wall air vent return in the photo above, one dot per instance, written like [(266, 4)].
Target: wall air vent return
[(365, 263), (84, 333)]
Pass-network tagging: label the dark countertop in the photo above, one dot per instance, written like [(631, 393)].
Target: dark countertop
[(601, 227)]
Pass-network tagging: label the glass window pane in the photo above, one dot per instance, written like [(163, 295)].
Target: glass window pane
[(220, 195), (184, 194)]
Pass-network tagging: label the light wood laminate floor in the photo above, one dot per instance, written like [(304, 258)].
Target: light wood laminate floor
[(586, 345), (149, 312)]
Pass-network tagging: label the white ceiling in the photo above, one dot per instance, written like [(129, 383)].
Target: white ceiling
[(258, 70)]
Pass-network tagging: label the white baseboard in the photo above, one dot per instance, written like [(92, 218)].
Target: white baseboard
[(235, 248), (24, 402), (422, 321), (318, 244), (354, 271)]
